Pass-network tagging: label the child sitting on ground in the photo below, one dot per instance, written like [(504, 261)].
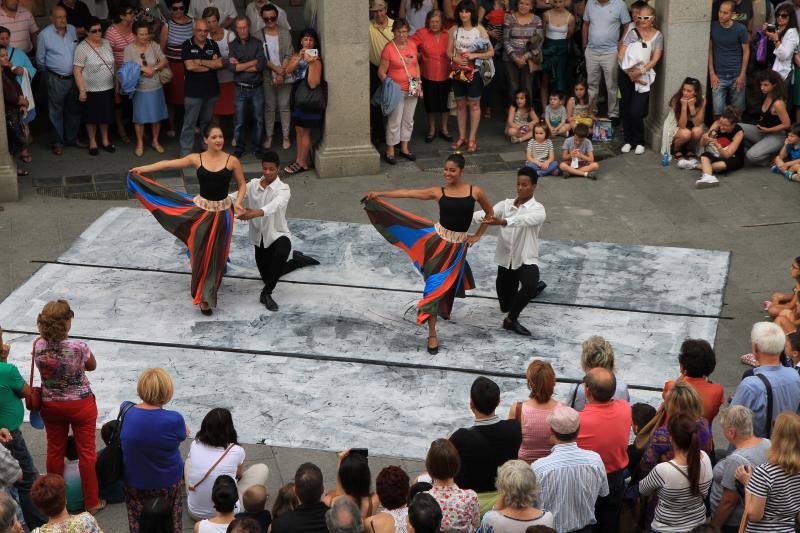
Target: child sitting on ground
[(781, 301), (579, 107), (577, 156), (72, 477), (787, 162), (254, 501), (555, 115), (285, 501), (641, 414), (540, 154), (521, 118)]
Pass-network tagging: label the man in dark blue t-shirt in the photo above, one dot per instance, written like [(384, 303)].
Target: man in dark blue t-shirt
[(201, 60), (727, 60)]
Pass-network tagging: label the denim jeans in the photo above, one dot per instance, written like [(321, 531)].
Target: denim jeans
[(19, 451), (725, 94), (197, 112), (63, 108), (14, 495), (245, 98)]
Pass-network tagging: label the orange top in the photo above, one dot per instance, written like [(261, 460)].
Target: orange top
[(433, 49), (712, 395), (396, 70)]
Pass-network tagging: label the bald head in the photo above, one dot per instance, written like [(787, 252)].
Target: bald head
[(600, 385), (58, 17)]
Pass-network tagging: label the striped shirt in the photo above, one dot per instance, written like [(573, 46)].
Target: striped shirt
[(118, 43), (21, 26), (678, 509), (571, 480), (782, 493), (177, 34), (540, 151)]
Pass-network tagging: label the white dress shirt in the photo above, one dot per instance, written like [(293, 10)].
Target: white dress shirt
[(273, 200), (518, 243)]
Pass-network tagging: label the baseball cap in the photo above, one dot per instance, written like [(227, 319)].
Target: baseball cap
[(564, 420), (375, 5)]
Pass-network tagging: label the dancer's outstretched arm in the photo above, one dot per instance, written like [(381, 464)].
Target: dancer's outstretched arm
[(191, 160), (488, 211), (431, 193), (238, 174)]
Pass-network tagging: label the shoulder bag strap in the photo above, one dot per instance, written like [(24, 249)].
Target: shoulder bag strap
[(121, 417), (574, 395), (518, 412), (402, 59), (101, 58), (676, 467), (221, 457), (33, 360), (768, 422)]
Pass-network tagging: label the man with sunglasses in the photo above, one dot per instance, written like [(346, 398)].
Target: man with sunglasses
[(253, 14), (201, 59), (728, 56)]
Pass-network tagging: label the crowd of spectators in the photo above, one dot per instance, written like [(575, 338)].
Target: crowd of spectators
[(560, 465)]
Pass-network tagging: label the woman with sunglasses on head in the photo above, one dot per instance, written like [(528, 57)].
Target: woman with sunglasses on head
[(177, 30), (149, 105), (767, 136), (639, 54), (94, 75), (689, 108)]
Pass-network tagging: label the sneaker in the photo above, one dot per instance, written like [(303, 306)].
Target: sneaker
[(706, 182), (591, 176), (775, 169), (687, 164), (639, 149), (795, 178), (267, 143), (788, 175), (749, 359), (625, 148)]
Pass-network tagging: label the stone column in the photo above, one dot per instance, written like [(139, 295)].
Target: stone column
[(686, 27), (8, 169), (345, 149)]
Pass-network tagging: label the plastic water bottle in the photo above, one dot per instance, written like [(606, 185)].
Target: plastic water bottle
[(665, 159)]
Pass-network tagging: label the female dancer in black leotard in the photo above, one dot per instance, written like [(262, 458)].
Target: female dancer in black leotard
[(439, 251), (205, 221)]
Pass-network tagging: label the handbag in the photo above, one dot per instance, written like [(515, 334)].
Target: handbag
[(414, 84), (109, 466), (33, 400), (463, 73), (314, 100), (193, 488)]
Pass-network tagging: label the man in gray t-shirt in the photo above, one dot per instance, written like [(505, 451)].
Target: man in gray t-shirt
[(603, 21)]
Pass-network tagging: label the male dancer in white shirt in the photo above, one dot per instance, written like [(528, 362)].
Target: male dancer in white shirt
[(517, 253), (265, 209)]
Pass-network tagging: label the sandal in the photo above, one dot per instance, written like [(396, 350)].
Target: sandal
[(678, 155), (472, 147), (749, 359), (294, 168), (22, 172), (26, 157), (458, 144), (446, 136), (429, 137), (99, 507)]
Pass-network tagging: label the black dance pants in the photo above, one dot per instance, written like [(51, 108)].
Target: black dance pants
[(515, 288), (272, 262)]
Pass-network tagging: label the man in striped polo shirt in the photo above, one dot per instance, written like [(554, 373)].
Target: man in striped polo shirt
[(571, 479), (20, 23)]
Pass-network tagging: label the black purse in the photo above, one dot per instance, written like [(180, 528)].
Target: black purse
[(314, 100), (109, 466)]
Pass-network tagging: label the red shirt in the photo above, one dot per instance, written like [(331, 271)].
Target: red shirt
[(712, 395), (605, 429), (433, 49), (396, 69)]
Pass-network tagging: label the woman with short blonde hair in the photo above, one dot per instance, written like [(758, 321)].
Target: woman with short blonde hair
[(518, 490), (771, 489), (597, 352), (150, 437)]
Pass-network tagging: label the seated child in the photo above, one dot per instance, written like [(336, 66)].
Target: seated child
[(578, 107), (787, 162), (72, 477), (540, 155), (521, 118), (285, 501), (112, 493), (781, 301), (555, 115), (577, 156), (254, 501), (641, 414)]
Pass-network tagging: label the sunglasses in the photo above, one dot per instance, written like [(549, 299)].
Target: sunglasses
[(177, 8), (645, 17), (144, 61), (98, 30), (270, 19), (782, 15)]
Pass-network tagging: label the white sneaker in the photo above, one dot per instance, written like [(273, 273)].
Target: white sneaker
[(625, 148), (688, 164), (639, 149), (706, 182)]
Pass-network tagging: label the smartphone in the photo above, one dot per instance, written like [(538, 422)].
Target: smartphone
[(771, 27), (312, 52), (360, 451)]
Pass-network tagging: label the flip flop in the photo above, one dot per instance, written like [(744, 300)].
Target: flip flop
[(294, 168)]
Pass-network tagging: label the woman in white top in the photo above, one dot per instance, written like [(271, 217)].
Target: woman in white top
[(215, 452), (559, 25), (460, 48), (682, 483), (225, 497), (224, 106), (514, 511), (392, 487), (415, 13), (94, 75), (785, 39)]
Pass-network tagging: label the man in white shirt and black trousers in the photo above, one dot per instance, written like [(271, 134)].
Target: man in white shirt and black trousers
[(517, 253), (265, 209)]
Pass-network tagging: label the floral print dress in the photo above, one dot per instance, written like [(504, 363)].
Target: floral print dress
[(460, 509)]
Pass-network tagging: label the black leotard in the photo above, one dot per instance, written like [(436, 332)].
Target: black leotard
[(214, 185), (455, 213)]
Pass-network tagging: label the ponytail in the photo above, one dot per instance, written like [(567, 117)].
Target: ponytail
[(693, 460), (683, 432)]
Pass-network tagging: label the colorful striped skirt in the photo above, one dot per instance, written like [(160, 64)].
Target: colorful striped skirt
[(204, 226), (441, 261)]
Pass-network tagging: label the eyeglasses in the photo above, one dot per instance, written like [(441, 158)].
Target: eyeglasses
[(144, 61), (199, 30), (645, 17), (782, 15), (270, 19), (98, 30), (177, 8)]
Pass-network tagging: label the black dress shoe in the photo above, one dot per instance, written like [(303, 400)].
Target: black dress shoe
[(516, 327), (263, 297), (410, 156), (303, 259), (392, 160), (539, 288), (446, 136), (269, 303)]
